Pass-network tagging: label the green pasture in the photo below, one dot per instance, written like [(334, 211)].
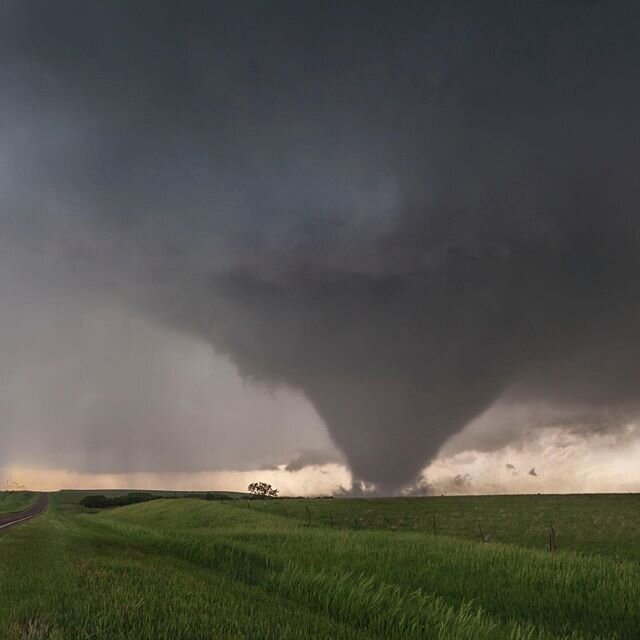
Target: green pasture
[(190, 569), (604, 524)]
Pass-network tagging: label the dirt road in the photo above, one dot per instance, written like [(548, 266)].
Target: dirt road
[(39, 506)]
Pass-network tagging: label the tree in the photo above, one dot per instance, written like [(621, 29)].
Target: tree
[(263, 490)]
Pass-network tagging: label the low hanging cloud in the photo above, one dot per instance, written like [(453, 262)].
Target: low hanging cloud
[(312, 458), (412, 218)]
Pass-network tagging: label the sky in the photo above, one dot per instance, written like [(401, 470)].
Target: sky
[(343, 247)]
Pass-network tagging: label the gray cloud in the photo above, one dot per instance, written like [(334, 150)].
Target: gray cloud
[(312, 457), (103, 391), (408, 215), (268, 467)]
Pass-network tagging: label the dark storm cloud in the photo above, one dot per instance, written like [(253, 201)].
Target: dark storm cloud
[(312, 457), (403, 211)]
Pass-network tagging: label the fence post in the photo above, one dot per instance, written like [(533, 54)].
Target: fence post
[(552, 539)]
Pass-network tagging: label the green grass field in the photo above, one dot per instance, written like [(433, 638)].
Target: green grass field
[(190, 569), (605, 524), (11, 501)]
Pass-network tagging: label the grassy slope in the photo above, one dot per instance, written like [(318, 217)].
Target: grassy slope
[(191, 569), (11, 501), (62, 577)]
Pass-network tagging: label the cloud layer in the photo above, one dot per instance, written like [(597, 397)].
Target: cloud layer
[(410, 216)]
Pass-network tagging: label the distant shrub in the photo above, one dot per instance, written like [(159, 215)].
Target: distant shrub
[(94, 502), (133, 498), (102, 502), (217, 496)]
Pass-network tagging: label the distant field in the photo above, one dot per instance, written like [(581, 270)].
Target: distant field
[(606, 524), (190, 569), (11, 501)]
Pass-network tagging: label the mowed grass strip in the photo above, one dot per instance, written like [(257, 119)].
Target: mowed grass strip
[(193, 569)]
